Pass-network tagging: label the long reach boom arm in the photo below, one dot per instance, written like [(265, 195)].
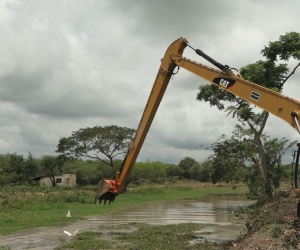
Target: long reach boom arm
[(273, 102)]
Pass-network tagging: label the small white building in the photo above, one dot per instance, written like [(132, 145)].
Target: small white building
[(68, 180)]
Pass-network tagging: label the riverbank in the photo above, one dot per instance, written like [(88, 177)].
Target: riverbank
[(275, 227), (25, 207), (201, 223), (124, 229)]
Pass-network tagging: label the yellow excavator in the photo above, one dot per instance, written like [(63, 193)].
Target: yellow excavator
[(279, 105)]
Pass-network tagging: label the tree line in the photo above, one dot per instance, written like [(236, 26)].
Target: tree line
[(19, 170)]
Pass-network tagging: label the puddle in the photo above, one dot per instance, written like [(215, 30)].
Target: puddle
[(219, 234), (216, 211)]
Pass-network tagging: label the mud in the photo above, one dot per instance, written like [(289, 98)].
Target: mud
[(216, 211)]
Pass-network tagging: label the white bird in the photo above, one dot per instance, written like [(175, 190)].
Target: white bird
[(73, 234), (66, 232)]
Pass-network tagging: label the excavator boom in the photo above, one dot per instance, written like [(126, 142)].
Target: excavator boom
[(275, 103), (279, 105)]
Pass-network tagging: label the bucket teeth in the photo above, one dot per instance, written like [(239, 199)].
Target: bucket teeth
[(108, 196), (103, 193)]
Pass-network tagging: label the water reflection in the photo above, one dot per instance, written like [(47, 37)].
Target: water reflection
[(214, 209)]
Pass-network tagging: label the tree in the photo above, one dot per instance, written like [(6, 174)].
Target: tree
[(186, 163), (52, 165), (174, 171), (232, 155), (87, 176), (286, 47), (201, 172), (148, 171), (31, 168), (6, 172), (110, 141), (89, 172), (15, 169), (267, 73), (17, 165), (275, 149), (237, 159)]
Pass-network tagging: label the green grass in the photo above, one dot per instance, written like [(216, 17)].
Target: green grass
[(168, 237), (88, 240), (50, 208)]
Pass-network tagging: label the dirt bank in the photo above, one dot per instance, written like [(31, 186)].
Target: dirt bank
[(276, 227)]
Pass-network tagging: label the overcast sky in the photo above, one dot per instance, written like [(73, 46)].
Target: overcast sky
[(71, 64)]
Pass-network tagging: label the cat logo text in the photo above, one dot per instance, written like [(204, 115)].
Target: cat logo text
[(225, 83)]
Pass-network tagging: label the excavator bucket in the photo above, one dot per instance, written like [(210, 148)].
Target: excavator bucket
[(104, 192)]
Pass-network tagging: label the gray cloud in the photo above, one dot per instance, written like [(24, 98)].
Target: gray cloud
[(66, 65)]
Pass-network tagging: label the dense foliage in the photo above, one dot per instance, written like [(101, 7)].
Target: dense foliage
[(236, 158), (17, 169)]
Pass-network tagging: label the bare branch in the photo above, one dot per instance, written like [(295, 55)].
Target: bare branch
[(120, 153), (293, 72)]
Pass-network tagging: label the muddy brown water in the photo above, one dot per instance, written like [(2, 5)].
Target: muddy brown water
[(216, 212)]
